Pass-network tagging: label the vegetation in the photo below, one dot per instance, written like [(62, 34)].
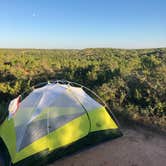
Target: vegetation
[(132, 82)]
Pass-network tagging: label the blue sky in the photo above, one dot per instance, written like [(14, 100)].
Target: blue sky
[(82, 23)]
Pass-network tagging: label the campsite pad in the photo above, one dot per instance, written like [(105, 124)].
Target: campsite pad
[(138, 147)]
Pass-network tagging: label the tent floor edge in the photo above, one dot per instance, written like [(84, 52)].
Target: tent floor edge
[(93, 138)]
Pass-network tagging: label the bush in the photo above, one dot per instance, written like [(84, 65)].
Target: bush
[(132, 82)]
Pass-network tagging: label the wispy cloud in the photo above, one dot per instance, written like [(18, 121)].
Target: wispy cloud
[(35, 14)]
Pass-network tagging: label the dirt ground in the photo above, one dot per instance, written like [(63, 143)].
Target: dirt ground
[(138, 147)]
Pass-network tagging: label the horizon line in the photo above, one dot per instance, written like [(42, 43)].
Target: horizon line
[(83, 48)]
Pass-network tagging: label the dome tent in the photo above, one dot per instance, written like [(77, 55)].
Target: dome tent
[(60, 114)]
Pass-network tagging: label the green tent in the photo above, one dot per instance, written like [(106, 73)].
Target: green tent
[(56, 117)]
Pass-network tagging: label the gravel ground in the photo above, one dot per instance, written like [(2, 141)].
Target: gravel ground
[(138, 147)]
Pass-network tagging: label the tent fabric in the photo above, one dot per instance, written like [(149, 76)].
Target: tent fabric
[(52, 105)]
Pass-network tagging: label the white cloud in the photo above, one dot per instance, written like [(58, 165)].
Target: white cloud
[(33, 14)]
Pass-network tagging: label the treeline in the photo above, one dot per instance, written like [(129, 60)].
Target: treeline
[(132, 82)]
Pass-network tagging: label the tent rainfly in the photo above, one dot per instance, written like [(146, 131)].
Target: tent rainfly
[(57, 115)]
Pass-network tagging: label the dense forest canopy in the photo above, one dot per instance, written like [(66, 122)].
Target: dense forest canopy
[(132, 82)]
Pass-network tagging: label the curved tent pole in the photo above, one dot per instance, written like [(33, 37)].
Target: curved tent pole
[(92, 92), (113, 116), (77, 84)]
